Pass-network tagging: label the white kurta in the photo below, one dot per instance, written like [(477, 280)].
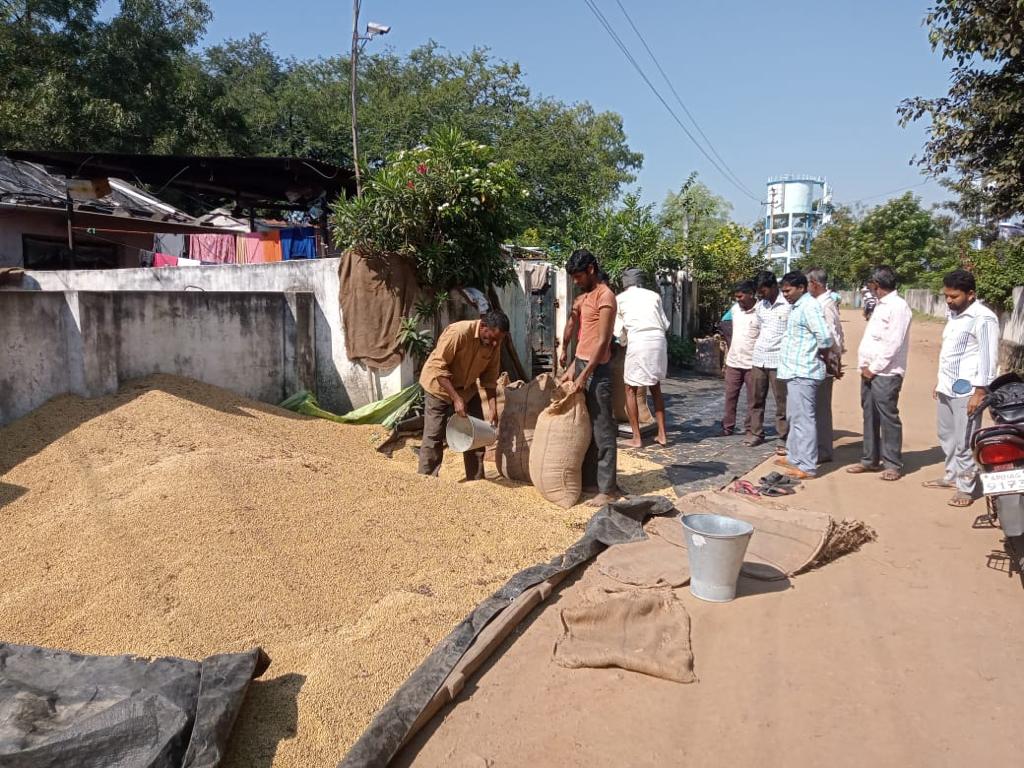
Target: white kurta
[(642, 322)]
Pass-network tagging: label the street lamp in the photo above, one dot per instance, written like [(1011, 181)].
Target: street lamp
[(373, 29)]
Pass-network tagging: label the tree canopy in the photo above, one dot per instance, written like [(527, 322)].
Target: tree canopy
[(977, 128), (136, 82)]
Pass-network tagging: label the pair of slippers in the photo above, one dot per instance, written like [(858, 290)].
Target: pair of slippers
[(772, 485)]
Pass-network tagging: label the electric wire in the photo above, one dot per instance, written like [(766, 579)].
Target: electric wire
[(679, 99), (643, 75)]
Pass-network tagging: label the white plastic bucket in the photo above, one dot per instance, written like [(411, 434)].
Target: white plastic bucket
[(467, 433), (716, 545)]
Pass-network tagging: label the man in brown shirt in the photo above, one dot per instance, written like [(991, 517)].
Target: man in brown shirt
[(467, 352), (592, 374)]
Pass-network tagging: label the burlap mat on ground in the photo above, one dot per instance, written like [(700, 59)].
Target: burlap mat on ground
[(786, 541), (639, 630)]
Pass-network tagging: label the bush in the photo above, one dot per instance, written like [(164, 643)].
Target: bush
[(998, 269), (447, 205), (681, 352)]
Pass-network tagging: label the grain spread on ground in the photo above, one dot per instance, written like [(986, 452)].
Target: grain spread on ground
[(178, 519)]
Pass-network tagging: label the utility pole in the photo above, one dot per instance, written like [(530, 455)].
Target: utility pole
[(352, 77)]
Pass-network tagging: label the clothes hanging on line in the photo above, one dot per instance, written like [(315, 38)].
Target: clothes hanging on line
[(171, 244), (183, 262), (213, 249), (163, 260), (298, 243), (258, 247)]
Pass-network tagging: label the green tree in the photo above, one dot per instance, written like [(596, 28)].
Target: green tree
[(901, 234), (832, 250), (717, 264), (998, 269), (622, 236), (976, 128), (694, 213), (447, 205)]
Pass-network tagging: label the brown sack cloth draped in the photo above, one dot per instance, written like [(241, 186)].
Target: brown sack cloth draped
[(653, 562), (642, 631), (376, 293)]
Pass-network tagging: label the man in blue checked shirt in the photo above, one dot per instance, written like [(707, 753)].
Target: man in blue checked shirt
[(802, 366)]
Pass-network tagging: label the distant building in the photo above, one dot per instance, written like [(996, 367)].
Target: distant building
[(795, 210)]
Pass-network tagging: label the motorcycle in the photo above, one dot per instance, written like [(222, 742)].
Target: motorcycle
[(999, 454)]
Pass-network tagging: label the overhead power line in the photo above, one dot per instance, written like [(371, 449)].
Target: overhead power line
[(679, 99), (643, 75), (890, 192)]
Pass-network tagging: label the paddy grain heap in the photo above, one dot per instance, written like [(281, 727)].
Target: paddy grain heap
[(178, 519)]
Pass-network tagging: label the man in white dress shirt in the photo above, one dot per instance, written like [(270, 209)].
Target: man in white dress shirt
[(967, 365), (882, 360)]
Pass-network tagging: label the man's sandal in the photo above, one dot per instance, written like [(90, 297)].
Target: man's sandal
[(860, 469)]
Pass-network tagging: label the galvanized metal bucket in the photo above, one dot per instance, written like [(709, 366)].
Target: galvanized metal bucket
[(467, 433), (716, 545)]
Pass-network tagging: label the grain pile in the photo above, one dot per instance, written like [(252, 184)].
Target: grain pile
[(176, 518)]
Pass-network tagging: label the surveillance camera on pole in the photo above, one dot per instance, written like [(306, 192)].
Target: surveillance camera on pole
[(373, 29)]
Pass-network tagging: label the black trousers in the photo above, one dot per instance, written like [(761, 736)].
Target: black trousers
[(436, 413), (600, 463), (883, 430)]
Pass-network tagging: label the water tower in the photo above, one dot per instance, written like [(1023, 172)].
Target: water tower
[(796, 209)]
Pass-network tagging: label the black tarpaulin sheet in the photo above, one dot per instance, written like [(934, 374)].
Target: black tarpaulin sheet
[(617, 523), (67, 709)]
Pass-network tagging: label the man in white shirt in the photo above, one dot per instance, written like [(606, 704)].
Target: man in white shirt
[(882, 360), (967, 365), (739, 361), (772, 315), (641, 323), (817, 286)]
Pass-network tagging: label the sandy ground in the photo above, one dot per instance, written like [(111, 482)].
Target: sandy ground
[(908, 652)]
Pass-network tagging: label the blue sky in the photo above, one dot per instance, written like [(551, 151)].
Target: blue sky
[(789, 87)]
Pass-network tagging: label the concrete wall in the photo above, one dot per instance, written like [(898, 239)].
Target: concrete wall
[(515, 303), (257, 344), (340, 384), (926, 302)]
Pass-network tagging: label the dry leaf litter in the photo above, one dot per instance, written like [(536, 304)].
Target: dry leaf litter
[(175, 518)]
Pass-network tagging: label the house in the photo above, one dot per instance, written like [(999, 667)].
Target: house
[(48, 221), (73, 210)]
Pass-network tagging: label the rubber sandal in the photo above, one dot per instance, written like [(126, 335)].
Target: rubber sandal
[(745, 488), (777, 490), (890, 475), (960, 500), (937, 484), (777, 478)]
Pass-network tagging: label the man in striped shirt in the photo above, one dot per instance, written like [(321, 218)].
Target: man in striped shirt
[(802, 366), (967, 365)]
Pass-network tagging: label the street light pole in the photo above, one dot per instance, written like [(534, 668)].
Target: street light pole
[(352, 77)]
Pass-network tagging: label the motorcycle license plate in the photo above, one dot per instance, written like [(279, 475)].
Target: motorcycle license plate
[(997, 483)]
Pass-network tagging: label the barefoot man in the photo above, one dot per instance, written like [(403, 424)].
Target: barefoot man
[(592, 374), (642, 323)]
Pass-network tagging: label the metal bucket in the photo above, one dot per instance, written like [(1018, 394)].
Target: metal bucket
[(467, 433), (716, 545)]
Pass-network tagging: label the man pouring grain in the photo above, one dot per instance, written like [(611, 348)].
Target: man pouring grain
[(468, 352)]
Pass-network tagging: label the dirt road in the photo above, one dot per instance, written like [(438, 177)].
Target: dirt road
[(907, 653)]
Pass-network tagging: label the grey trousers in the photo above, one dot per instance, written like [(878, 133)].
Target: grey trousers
[(436, 413), (763, 379), (600, 465), (823, 409), (955, 431), (802, 441), (883, 430)]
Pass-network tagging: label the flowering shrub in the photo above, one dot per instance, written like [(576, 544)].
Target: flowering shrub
[(447, 205)]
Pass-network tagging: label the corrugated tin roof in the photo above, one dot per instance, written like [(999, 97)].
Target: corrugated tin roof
[(25, 183)]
